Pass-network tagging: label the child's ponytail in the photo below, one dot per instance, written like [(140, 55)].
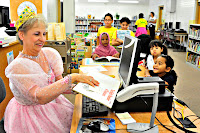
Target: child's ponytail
[(173, 73)]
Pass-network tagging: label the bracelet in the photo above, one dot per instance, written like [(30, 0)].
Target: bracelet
[(67, 80)]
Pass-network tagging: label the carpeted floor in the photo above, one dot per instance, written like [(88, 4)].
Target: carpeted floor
[(188, 83)]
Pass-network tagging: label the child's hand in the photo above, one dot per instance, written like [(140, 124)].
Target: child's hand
[(95, 56), (119, 40), (116, 55), (146, 73)]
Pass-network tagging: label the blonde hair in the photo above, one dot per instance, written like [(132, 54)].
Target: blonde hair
[(27, 25)]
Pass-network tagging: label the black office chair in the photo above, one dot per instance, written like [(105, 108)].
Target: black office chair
[(2, 90), (144, 44), (2, 97)]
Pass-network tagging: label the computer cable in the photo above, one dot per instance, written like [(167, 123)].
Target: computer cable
[(170, 118), (185, 116), (180, 102), (182, 114), (165, 126), (183, 129), (195, 116), (195, 120)]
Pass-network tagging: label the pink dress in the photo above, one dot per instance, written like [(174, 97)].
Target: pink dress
[(23, 114)]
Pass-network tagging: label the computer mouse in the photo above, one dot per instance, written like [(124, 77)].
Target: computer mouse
[(98, 126)]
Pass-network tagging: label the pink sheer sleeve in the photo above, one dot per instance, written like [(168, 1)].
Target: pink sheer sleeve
[(55, 60), (29, 83), (50, 92)]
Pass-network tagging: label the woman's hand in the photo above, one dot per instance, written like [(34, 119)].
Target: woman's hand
[(116, 55), (95, 56), (84, 79)]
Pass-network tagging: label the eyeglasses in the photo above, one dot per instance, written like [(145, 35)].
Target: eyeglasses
[(107, 20)]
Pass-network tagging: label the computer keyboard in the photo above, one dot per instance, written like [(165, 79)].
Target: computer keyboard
[(92, 108)]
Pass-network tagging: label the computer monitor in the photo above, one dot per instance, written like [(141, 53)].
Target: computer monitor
[(166, 25), (129, 59), (178, 25), (170, 25), (4, 16)]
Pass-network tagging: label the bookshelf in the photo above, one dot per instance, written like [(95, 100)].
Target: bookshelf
[(83, 25), (80, 48), (193, 47)]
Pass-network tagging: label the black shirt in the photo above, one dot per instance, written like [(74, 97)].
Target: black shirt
[(169, 78)]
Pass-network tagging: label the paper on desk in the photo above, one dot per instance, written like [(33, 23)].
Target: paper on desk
[(105, 93), (92, 69), (3, 33), (125, 118)]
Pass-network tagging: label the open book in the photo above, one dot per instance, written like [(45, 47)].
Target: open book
[(107, 59), (105, 93), (121, 34)]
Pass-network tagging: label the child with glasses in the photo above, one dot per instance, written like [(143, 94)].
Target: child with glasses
[(108, 28)]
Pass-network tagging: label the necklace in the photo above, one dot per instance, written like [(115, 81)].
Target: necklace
[(29, 56)]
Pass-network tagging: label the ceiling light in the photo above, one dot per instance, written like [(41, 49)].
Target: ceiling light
[(98, 1), (120, 1)]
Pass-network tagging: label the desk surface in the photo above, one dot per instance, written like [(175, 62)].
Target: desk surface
[(142, 117)]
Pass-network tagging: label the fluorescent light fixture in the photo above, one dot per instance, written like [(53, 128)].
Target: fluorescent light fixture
[(98, 1), (122, 1)]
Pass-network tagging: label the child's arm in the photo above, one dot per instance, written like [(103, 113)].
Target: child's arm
[(116, 42), (119, 40), (146, 73), (167, 84)]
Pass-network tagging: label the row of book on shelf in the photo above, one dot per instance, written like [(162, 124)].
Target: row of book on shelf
[(194, 46), (193, 59), (194, 33), (81, 27), (77, 57)]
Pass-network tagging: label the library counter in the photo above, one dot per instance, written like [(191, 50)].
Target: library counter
[(15, 47), (141, 117)]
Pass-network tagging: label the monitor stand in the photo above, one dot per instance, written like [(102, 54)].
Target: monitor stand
[(140, 127), (146, 127)]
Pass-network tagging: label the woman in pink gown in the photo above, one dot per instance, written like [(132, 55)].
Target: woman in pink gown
[(36, 82)]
